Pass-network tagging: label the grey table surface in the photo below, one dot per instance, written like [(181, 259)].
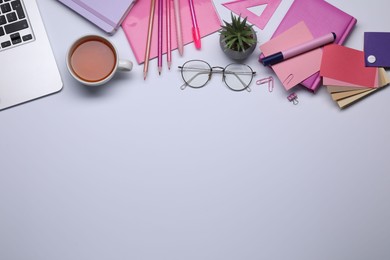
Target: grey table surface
[(139, 169)]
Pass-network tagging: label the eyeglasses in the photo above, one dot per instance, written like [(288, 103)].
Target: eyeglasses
[(196, 74)]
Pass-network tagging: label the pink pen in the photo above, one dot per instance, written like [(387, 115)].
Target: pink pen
[(195, 27), (297, 50)]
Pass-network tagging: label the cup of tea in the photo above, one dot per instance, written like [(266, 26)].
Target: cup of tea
[(93, 60)]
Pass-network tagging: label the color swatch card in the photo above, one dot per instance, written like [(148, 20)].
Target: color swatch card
[(135, 25), (293, 71), (376, 49), (335, 82), (345, 96), (347, 65)]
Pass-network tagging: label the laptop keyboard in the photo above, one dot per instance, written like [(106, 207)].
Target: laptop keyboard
[(15, 28)]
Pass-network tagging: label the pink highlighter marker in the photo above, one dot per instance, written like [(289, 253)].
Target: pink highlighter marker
[(195, 27), (297, 50)]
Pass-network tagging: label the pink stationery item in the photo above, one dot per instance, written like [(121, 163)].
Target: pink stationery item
[(347, 95), (321, 18), (195, 26), (293, 98), (269, 81), (149, 36), (136, 24), (160, 8), (240, 7), (179, 34), (294, 70), (168, 27), (347, 65), (335, 82), (298, 50)]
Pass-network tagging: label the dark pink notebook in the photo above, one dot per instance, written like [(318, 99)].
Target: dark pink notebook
[(321, 18)]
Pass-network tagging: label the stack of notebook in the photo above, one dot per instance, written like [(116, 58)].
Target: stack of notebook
[(320, 18)]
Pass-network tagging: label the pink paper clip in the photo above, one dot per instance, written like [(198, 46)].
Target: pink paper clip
[(269, 80), (293, 98)]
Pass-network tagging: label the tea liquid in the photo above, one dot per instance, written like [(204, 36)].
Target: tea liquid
[(93, 60)]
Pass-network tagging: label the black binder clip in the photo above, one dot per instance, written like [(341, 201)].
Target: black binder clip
[(293, 98)]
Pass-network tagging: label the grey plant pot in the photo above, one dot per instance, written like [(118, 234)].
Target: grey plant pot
[(237, 55)]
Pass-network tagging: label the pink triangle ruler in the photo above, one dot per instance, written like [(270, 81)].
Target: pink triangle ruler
[(240, 7)]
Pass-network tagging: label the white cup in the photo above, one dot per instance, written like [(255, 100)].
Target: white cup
[(93, 60)]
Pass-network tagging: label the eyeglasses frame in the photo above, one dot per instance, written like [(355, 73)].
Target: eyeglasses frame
[(212, 69)]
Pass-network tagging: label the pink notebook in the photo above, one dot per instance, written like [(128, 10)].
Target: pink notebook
[(293, 71), (321, 18), (135, 25)]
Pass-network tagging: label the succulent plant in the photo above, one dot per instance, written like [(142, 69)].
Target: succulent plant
[(238, 34)]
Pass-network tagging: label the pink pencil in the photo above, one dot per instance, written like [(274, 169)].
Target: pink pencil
[(149, 38), (169, 50), (160, 35), (179, 35)]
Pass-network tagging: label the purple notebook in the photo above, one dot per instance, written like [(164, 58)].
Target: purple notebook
[(106, 14), (376, 49), (321, 18)]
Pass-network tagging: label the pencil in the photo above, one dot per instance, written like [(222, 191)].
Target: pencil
[(178, 26), (149, 37), (160, 35), (169, 50)]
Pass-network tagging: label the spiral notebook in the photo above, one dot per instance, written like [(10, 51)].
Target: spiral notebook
[(321, 18)]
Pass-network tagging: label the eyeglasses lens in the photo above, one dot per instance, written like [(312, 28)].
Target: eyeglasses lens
[(238, 76), (196, 73)]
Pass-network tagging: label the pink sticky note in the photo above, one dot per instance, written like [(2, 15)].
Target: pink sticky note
[(240, 7), (345, 64), (135, 25), (293, 71)]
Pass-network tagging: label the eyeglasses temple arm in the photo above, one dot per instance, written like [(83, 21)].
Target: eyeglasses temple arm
[(187, 82)]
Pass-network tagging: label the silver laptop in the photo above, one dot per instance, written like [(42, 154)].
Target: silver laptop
[(28, 69)]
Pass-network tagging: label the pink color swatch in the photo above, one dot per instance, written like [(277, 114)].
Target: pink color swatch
[(347, 65)]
